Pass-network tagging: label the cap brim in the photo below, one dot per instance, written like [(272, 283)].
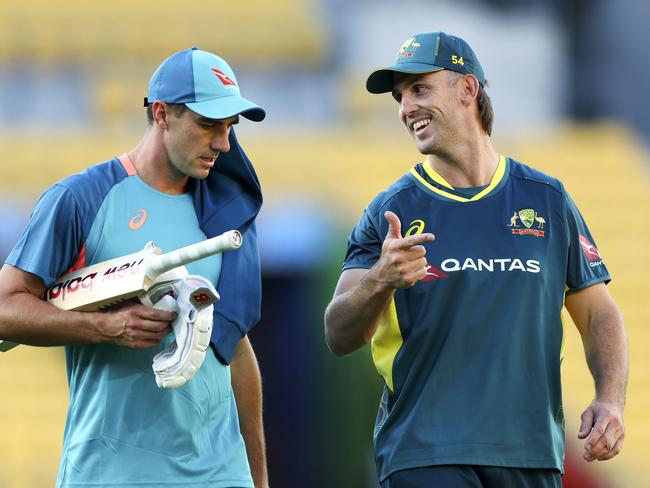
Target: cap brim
[(381, 80), (226, 107)]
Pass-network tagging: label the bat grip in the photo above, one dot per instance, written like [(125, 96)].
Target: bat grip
[(158, 264)]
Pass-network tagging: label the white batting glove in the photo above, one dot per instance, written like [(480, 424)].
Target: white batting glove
[(192, 298)]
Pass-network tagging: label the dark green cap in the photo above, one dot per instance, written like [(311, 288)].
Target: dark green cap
[(426, 53)]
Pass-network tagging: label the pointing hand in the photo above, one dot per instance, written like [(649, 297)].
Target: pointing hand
[(402, 262)]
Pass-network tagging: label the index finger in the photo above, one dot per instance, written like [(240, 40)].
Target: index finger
[(414, 240)]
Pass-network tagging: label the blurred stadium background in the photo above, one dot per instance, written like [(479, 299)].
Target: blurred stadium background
[(569, 84)]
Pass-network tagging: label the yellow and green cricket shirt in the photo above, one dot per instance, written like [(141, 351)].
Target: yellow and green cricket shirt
[(471, 354)]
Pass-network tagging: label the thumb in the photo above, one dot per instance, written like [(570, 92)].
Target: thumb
[(586, 424), (394, 225)]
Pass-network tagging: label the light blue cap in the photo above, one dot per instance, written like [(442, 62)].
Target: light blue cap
[(204, 82)]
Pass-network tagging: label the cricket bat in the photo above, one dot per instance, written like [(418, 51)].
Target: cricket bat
[(105, 284)]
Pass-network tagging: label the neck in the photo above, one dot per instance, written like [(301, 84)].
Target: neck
[(154, 167), (467, 163)]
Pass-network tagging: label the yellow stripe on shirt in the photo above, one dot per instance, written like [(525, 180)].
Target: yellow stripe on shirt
[(386, 342)]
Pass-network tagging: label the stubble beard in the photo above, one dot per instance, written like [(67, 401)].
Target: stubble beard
[(428, 145)]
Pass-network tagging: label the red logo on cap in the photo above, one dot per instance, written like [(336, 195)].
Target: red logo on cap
[(589, 249), (225, 79)]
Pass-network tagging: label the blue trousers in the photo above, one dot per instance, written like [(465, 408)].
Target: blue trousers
[(460, 476)]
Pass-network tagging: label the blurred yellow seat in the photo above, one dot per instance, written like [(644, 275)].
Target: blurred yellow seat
[(605, 169), (149, 30), (34, 400)]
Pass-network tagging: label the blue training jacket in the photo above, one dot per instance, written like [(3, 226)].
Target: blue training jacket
[(230, 198)]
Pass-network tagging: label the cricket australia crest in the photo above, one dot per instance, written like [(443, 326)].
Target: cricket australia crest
[(408, 48), (524, 220)]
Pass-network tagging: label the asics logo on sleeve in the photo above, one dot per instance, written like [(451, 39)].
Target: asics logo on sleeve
[(138, 219)]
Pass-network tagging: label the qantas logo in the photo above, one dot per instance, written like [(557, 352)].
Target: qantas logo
[(591, 252), (492, 265), (433, 273), (225, 79)]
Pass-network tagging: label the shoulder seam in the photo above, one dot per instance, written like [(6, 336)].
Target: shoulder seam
[(394, 194), (76, 204), (541, 182)]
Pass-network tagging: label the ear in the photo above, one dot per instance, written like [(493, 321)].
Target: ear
[(470, 86), (160, 111)]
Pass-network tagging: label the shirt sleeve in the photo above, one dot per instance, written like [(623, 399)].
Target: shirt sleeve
[(585, 266), (364, 244), (52, 238)]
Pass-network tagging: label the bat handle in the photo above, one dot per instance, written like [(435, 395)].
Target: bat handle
[(158, 264)]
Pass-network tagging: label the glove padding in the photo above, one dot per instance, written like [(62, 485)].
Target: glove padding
[(192, 298)]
